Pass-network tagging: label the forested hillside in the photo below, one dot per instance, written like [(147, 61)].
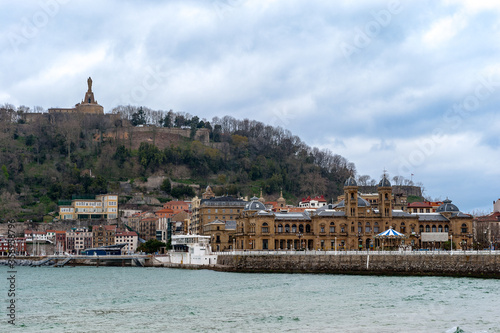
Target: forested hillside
[(56, 157)]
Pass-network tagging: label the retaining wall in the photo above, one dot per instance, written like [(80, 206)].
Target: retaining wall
[(474, 265)]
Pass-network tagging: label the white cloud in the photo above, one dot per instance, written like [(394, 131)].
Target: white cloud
[(280, 62), (444, 29)]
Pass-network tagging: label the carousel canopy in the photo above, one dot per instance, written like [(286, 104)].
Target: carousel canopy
[(390, 233)]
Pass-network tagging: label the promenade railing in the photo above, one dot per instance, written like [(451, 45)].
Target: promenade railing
[(375, 252)]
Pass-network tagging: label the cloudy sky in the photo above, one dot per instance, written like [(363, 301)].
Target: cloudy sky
[(412, 87)]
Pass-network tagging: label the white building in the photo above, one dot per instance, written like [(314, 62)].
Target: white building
[(127, 237), (314, 203), (38, 236)]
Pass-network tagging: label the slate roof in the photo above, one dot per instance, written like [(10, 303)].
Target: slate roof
[(432, 217)]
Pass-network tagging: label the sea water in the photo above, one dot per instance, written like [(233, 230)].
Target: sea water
[(130, 299)]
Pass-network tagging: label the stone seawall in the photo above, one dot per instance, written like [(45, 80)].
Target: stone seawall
[(474, 265)]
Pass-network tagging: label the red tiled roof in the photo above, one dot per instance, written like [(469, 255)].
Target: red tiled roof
[(493, 217), (126, 233), (320, 198)]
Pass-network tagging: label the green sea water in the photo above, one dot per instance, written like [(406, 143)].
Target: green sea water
[(130, 299)]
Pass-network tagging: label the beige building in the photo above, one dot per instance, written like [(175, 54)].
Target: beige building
[(103, 206), (223, 209), (399, 200), (103, 235), (78, 240), (351, 224), (221, 234)]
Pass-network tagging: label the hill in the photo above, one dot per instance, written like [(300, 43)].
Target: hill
[(47, 157)]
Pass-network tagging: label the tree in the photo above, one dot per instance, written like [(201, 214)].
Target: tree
[(166, 186), (121, 155), (182, 191), (138, 118), (151, 246)]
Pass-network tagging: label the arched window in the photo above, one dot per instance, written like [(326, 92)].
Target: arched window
[(446, 228), (342, 228), (440, 228), (265, 228), (464, 228), (332, 227), (368, 228), (301, 228), (280, 228), (421, 229), (434, 228), (322, 228), (375, 227), (308, 228), (287, 228), (294, 228), (360, 227), (427, 228)]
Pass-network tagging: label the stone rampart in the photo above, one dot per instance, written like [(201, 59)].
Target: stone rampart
[(473, 265)]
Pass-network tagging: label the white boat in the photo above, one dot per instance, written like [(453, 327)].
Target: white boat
[(192, 250)]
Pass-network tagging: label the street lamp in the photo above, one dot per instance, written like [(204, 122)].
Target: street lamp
[(299, 235)]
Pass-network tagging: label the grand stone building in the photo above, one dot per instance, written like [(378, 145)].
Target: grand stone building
[(351, 224)]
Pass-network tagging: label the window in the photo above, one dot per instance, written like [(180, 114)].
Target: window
[(287, 228), (322, 228), (280, 228), (427, 228), (308, 228), (294, 228), (368, 227), (265, 244), (446, 229), (332, 227), (421, 210), (434, 228), (464, 228), (342, 228), (360, 228), (265, 228), (440, 228), (301, 228)]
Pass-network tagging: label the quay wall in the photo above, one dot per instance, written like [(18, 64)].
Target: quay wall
[(473, 265)]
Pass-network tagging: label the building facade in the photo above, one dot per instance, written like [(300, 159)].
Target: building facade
[(224, 209), (78, 239), (351, 224), (15, 246), (129, 238), (103, 235), (103, 206), (177, 206)]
